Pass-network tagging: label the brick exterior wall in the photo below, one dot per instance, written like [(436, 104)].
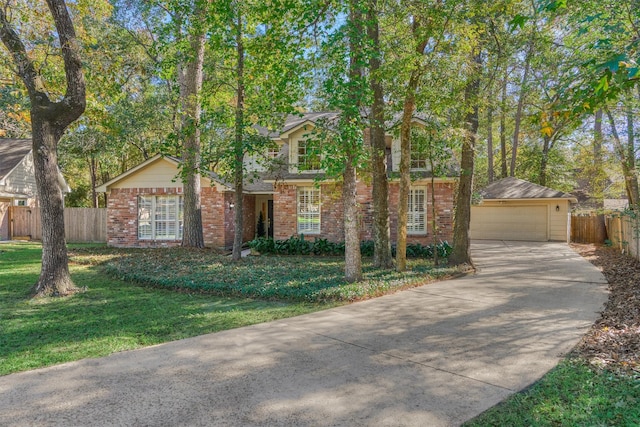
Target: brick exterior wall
[(332, 225), (122, 217), (218, 215)]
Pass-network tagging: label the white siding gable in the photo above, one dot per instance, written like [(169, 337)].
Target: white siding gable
[(22, 178)]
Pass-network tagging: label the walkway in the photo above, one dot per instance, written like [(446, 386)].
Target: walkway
[(435, 355)]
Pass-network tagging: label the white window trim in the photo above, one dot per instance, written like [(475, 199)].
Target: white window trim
[(424, 158), (417, 210), (314, 216), (295, 157), (154, 211)]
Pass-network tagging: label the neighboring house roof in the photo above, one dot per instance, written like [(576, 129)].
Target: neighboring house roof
[(17, 177), (12, 151), (511, 188)]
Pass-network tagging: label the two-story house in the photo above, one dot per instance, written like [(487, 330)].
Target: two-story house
[(285, 184)]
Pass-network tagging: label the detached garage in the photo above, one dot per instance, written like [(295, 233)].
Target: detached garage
[(515, 209)]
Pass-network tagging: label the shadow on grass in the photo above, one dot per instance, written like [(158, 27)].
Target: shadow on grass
[(110, 316)]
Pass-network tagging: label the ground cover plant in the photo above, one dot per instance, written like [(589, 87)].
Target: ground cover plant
[(114, 313), (284, 278), (599, 384), (111, 315)]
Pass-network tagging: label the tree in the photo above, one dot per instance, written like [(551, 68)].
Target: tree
[(51, 114), (461, 243), (381, 236)]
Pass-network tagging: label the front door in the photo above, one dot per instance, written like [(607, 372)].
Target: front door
[(270, 218)]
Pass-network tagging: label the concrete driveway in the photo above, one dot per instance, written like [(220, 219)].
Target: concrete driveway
[(431, 356)]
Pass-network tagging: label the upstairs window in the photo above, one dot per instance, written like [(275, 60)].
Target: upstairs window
[(416, 218), (160, 217), (273, 150), (418, 157), (307, 159)]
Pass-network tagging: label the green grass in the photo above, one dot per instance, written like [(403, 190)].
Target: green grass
[(572, 394), (284, 278), (110, 316), (192, 292)]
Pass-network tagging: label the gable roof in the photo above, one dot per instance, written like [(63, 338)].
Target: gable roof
[(514, 188), (252, 185), (296, 121), (12, 151)]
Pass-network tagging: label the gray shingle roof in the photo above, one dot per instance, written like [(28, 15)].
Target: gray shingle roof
[(12, 151), (293, 121), (514, 188)]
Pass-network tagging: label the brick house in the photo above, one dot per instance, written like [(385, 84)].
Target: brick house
[(285, 185)]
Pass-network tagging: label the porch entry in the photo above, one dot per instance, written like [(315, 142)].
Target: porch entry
[(264, 205)]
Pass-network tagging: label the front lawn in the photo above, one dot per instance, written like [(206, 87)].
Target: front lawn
[(191, 293), (283, 278)]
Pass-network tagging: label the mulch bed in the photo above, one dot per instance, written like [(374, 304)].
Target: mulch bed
[(614, 340)]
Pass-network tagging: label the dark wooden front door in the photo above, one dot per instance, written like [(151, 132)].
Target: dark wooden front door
[(270, 218)]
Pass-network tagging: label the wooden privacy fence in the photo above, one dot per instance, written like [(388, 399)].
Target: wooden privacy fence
[(80, 224), (623, 234), (588, 229)]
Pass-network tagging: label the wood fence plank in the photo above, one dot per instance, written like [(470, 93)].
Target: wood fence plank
[(81, 224)]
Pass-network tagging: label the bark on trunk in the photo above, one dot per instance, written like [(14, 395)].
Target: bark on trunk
[(461, 243), (48, 122), (628, 169), (405, 177), (351, 220), (503, 127), (54, 279), (381, 231), (520, 107), (238, 148), (544, 161), (191, 88), (352, 258), (490, 174)]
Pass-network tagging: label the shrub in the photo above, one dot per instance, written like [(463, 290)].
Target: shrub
[(297, 245)]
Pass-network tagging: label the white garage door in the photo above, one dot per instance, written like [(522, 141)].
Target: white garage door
[(509, 223)]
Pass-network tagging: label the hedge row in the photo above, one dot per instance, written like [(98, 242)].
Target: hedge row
[(297, 245)]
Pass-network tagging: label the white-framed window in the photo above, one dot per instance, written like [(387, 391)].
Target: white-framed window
[(273, 150), (417, 218), (418, 159), (20, 202), (160, 217), (308, 210), (307, 159)]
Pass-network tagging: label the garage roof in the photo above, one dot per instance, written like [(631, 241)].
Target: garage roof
[(514, 188)]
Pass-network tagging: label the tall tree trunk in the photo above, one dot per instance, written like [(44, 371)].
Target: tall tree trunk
[(190, 93), (598, 181), (381, 231), (461, 243), (628, 168), (503, 126), (93, 171), (520, 107), (434, 213), (405, 148), (490, 174), (48, 123), (405, 168), (238, 148), (353, 257), (544, 161)]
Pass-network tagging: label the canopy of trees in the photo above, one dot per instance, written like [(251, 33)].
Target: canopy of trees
[(543, 90)]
